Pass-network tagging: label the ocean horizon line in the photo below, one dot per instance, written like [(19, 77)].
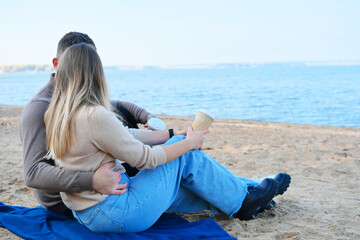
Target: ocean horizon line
[(35, 68)]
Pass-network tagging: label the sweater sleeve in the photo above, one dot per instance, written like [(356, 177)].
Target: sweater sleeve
[(139, 114), (40, 172), (144, 136), (109, 135)]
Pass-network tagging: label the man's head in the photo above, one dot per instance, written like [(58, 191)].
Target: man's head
[(68, 40)]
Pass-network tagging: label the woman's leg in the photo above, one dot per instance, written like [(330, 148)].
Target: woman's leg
[(187, 201), (193, 177), (152, 192)]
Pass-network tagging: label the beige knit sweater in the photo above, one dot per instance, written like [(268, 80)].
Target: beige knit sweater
[(99, 138)]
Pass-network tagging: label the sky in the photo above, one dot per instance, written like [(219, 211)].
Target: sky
[(155, 32)]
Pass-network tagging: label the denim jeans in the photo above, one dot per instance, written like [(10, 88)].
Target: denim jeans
[(190, 183)]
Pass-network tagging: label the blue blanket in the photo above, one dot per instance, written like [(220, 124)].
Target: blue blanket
[(38, 223)]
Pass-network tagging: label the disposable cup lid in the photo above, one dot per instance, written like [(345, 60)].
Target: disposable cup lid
[(207, 113), (157, 124)]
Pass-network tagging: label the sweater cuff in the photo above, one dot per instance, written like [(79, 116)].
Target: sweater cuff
[(143, 116), (162, 155), (85, 181)]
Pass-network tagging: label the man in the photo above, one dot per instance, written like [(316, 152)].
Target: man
[(40, 173)]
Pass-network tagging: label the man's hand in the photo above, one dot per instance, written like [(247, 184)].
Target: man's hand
[(146, 125), (106, 181)]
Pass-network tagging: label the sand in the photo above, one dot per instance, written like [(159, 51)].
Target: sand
[(322, 202)]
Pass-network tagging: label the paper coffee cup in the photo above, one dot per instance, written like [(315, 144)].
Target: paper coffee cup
[(156, 124), (203, 120)]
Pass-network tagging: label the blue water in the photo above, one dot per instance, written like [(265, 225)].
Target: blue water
[(289, 93)]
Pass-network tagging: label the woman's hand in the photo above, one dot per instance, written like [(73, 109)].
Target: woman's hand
[(193, 140), (180, 132), (196, 139)]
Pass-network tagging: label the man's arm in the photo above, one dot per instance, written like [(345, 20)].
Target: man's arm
[(139, 114), (42, 173)]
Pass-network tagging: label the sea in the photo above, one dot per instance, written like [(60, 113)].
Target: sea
[(300, 93)]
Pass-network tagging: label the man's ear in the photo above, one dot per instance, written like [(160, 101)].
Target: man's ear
[(55, 63)]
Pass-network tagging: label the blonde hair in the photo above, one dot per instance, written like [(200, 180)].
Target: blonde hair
[(80, 82)]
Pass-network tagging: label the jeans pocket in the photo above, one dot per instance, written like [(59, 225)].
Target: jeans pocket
[(97, 221)]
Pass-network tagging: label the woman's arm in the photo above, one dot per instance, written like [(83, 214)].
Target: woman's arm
[(193, 140), (160, 137), (110, 136)]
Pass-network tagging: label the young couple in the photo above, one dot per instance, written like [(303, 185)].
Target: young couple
[(72, 137)]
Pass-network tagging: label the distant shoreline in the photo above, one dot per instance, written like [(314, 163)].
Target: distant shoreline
[(35, 68), (25, 68)]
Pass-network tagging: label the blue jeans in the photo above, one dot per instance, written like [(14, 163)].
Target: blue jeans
[(191, 183)]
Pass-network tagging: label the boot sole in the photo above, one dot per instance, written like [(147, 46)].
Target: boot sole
[(285, 183)]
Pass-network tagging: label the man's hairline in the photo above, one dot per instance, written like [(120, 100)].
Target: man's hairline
[(62, 52)]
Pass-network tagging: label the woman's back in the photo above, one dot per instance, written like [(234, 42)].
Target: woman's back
[(84, 154), (99, 137)]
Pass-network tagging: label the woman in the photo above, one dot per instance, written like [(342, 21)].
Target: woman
[(174, 177)]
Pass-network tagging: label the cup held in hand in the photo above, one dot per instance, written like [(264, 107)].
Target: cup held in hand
[(203, 120)]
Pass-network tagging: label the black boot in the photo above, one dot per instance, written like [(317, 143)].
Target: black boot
[(284, 181), (256, 198)]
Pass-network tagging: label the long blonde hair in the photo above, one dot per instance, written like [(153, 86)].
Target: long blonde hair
[(80, 82)]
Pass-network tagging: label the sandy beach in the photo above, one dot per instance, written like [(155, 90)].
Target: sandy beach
[(323, 201)]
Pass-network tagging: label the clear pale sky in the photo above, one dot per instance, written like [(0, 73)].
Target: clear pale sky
[(184, 32)]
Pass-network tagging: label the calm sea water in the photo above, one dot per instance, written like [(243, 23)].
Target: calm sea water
[(289, 93)]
